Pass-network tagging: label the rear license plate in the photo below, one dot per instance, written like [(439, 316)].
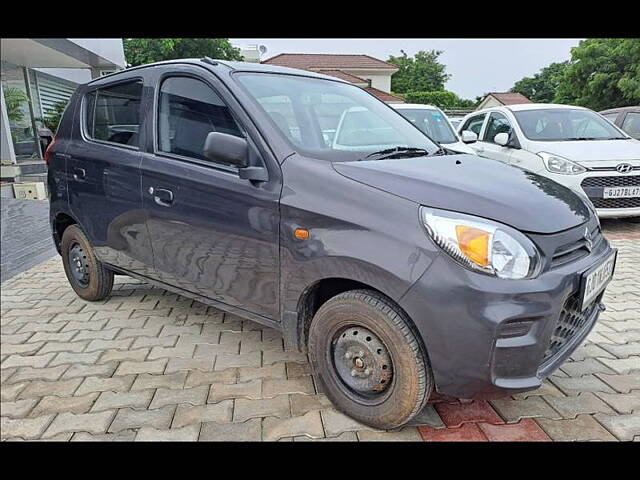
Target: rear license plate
[(594, 281), (621, 192)]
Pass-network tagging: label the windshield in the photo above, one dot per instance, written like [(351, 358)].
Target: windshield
[(431, 122), (565, 124), (331, 120)]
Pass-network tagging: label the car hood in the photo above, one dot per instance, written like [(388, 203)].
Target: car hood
[(459, 147), (476, 186), (591, 150)]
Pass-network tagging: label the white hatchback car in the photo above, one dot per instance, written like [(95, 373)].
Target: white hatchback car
[(572, 145), (432, 121)]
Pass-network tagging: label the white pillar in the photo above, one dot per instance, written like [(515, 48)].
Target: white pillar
[(7, 155)]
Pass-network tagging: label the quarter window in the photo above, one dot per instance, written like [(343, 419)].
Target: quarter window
[(498, 123), (631, 124), (113, 113), (474, 124), (189, 111)]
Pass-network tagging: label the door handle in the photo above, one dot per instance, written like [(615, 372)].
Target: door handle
[(162, 196), (79, 173)]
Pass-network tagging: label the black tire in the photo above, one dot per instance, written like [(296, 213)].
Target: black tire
[(334, 330), (97, 283)]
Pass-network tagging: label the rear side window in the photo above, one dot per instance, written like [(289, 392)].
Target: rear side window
[(498, 123), (611, 117), (112, 114), (189, 110), (474, 124), (631, 124)]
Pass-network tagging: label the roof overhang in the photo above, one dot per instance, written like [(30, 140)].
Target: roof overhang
[(51, 53)]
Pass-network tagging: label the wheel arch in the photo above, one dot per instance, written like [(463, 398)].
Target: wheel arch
[(60, 222)]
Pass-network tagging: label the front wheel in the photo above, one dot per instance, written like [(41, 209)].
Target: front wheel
[(88, 277), (365, 354)]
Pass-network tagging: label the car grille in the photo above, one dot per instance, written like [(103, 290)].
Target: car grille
[(613, 181), (616, 202), (572, 321), (574, 251)]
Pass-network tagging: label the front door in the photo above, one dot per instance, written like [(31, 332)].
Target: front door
[(497, 123), (212, 233)]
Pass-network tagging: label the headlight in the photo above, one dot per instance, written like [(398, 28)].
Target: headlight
[(557, 164), (481, 244)]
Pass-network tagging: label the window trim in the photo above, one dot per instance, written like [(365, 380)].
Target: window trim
[(83, 116), (156, 124), (484, 133), (484, 118)]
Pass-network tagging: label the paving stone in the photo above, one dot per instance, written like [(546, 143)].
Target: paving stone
[(155, 366), (623, 402), (99, 344), (467, 432), (60, 388), (25, 428), (250, 390), (22, 349), (96, 334), (526, 430), (582, 428), (343, 437), (104, 370), (272, 387), (247, 346), (75, 358), (570, 407), (84, 422), (172, 381), (167, 352), (218, 412), (585, 367), (275, 371), (113, 400), (211, 350), (9, 392), (428, 416), (623, 365), (178, 364), (166, 396), (301, 404), (309, 424), (406, 434), (128, 418), (623, 351), (17, 408), (51, 336), (587, 383), (185, 434), (270, 357), (36, 361), (83, 326), (6, 374), (336, 423), (245, 409), (622, 383), (98, 384), (123, 436), (227, 360), (249, 431), (47, 373), (52, 404), (202, 339), (64, 347), (34, 327), (235, 338), (455, 414), (197, 378), (295, 370), (546, 389), (150, 332), (624, 427), (124, 355)]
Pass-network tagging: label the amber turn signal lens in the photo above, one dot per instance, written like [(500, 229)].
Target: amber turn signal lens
[(474, 243), (301, 234)]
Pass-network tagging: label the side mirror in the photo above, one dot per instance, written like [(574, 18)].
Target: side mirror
[(469, 137), (222, 147), (502, 139)]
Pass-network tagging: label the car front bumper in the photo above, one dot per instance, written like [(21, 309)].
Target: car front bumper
[(488, 337)]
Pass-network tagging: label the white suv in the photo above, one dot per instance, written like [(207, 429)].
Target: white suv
[(572, 145)]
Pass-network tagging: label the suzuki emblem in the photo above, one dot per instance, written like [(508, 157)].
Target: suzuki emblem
[(587, 239)]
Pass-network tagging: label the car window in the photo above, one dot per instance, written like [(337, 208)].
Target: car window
[(188, 111), (112, 114), (631, 124), (611, 117), (431, 122), (498, 123), (565, 124), (474, 124)]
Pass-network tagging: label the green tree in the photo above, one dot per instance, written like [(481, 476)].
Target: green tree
[(139, 51), (421, 73), (542, 87), (52, 119), (603, 73), (441, 98)]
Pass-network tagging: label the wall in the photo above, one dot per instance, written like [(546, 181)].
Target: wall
[(381, 81)]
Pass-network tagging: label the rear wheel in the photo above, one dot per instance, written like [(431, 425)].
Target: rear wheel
[(88, 277), (365, 354)]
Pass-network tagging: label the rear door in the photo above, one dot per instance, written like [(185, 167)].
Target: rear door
[(212, 232), (103, 172)]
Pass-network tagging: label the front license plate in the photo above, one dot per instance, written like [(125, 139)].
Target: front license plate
[(621, 192), (597, 278)]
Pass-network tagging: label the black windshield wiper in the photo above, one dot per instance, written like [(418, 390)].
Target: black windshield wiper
[(596, 138), (397, 152)]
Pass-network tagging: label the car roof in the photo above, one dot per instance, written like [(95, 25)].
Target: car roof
[(231, 65), (412, 106), (621, 109)]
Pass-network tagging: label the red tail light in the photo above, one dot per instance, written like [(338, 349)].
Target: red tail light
[(47, 153)]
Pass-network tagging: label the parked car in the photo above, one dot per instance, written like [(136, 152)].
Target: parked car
[(574, 146), (627, 118), (434, 123), (403, 271)]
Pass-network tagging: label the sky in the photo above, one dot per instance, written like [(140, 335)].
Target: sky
[(477, 66)]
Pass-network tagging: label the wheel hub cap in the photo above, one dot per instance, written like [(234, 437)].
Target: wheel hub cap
[(362, 361), (78, 265)]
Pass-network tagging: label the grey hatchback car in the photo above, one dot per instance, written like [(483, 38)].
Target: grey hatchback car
[(403, 269)]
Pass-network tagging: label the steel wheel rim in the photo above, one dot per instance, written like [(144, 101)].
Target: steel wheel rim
[(78, 265)]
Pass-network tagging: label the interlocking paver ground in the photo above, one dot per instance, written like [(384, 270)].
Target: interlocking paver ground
[(149, 365)]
